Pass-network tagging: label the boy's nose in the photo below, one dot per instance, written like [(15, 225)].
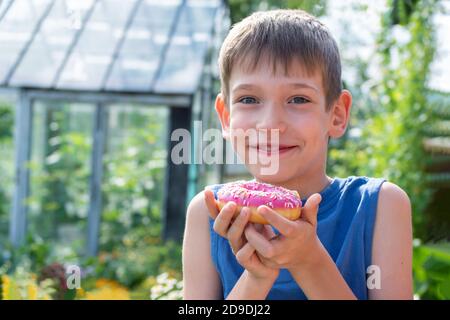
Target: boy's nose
[(272, 118)]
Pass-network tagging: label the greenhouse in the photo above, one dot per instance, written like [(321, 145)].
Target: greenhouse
[(88, 78)]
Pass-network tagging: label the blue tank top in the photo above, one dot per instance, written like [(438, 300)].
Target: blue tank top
[(345, 224)]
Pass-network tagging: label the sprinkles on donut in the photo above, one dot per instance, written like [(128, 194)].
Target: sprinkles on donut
[(253, 194)]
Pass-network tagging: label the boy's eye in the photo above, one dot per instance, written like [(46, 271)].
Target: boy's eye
[(248, 100), (299, 100)]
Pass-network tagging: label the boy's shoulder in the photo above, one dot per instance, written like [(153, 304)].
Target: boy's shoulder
[(393, 203), (393, 198), (198, 201), (197, 209), (393, 206)]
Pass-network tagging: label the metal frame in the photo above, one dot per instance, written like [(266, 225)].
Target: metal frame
[(165, 50), (176, 181), (22, 141), (119, 45), (109, 97), (73, 44), (8, 6), (95, 181)]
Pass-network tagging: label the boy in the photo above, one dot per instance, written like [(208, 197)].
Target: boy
[(281, 72)]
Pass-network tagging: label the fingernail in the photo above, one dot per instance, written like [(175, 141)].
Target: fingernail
[(244, 212)]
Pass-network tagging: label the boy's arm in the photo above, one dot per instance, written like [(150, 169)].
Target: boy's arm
[(200, 278), (250, 288), (392, 244)]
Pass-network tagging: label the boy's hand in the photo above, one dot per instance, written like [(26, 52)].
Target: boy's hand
[(249, 259), (234, 232), (223, 221), (297, 244)]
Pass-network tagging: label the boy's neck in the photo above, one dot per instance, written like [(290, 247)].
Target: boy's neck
[(306, 186)]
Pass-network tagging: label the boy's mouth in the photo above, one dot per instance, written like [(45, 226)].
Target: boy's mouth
[(268, 149)]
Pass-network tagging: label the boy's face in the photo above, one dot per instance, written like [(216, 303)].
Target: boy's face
[(292, 105)]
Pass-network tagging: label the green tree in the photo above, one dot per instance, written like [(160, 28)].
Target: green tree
[(239, 9), (390, 144)]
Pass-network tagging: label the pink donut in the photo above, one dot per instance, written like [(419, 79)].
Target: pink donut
[(252, 194)]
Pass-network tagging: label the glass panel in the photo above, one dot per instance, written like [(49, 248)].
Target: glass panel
[(133, 185), (60, 169), (15, 30), (184, 61), (141, 52), (92, 55), (6, 164), (50, 45), (4, 5), (201, 15)]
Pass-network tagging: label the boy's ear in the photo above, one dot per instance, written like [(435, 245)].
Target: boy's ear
[(340, 114), (224, 115)]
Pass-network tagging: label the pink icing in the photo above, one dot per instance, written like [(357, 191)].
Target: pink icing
[(254, 194)]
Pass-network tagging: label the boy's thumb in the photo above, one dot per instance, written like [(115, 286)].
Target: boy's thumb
[(309, 211)]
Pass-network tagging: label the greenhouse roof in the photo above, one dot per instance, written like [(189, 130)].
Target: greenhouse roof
[(148, 46)]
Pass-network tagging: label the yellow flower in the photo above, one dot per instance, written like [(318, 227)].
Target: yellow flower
[(108, 293), (149, 282), (108, 289), (80, 293), (32, 291), (6, 285), (100, 283)]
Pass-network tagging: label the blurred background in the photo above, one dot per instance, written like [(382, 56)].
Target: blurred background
[(91, 91)]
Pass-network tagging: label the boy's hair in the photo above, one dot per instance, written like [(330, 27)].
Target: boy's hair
[(282, 36)]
